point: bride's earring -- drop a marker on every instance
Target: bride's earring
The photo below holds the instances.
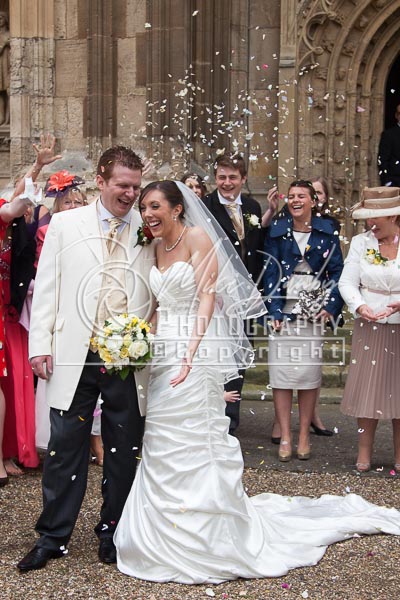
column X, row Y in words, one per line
column 174, row 218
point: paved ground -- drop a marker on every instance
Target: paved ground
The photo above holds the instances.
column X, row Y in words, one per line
column 336, row 454
column 358, row 569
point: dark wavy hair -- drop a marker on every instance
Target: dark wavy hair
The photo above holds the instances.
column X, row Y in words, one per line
column 199, row 180
column 171, row 192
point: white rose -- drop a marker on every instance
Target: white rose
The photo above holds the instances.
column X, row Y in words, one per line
column 370, row 258
column 115, row 325
column 254, row 220
column 138, row 348
column 122, row 362
column 112, row 345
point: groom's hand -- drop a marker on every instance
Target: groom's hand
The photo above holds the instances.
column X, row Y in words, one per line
column 38, row 369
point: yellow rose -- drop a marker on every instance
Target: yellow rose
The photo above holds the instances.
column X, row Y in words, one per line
column 126, row 340
column 124, row 353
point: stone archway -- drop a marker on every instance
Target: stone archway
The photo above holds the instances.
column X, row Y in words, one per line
column 344, row 54
column 392, row 93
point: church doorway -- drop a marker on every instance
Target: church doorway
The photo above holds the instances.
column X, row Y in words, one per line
column 392, row 95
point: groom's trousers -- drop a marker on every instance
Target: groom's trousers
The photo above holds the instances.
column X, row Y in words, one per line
column 66, row 464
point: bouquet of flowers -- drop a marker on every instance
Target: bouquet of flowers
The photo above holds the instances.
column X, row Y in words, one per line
column 124, row 344
column 311, row 302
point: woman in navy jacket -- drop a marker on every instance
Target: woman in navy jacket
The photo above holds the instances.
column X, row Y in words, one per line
column 303, row 263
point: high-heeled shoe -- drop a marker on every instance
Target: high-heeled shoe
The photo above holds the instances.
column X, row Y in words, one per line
column 304, row 455
column 275, row 440
column 3, row 481
column 284, row 455
column 319, row 431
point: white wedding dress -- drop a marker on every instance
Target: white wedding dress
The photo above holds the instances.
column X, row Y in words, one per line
column 187, row 518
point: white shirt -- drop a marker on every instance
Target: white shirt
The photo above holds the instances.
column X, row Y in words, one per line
column 237, row 203
column 364, row 283
column 105, row 214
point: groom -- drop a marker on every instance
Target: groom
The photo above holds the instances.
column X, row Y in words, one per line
column 91, row 268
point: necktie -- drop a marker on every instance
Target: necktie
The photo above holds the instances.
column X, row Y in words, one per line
column 114, row 223
column 236, row 219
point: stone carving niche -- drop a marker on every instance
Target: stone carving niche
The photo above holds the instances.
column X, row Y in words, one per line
column 4, row 93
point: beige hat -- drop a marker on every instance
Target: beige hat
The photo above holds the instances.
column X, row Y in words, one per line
column 377, row 202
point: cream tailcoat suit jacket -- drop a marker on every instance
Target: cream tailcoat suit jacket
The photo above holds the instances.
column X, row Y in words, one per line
column 68, row 281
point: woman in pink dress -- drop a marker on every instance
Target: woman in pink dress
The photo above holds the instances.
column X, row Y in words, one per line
column 8, row 212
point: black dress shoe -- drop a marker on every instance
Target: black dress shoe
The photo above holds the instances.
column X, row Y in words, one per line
column 107, row 551
column 275, row 440
column 37, row 558
column 319, row 431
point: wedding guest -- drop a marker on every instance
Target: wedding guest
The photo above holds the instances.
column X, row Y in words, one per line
column 239, row 216
column 18, row 270
column 370, row 286
column 303, row 266
column 322, row 208
column 389, row 153
column 195, row 183
column 8, row 212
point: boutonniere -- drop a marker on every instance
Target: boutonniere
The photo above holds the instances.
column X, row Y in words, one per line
column 374, row 257
column 252, row 221
column 144, row 236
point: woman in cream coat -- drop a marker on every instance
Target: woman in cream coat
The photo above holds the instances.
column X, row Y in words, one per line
column 370, row 285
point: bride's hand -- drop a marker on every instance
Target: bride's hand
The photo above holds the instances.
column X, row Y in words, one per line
column 183, row 373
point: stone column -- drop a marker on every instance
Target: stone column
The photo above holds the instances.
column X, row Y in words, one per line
column 287, row 132
column 32, row 76
column 100, row 121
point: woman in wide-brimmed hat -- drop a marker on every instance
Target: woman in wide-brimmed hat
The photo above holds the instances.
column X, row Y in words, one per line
column 370, row 285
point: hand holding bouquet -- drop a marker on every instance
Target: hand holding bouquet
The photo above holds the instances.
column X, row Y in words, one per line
column 124, row 344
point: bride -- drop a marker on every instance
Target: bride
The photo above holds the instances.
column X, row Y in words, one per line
column 187, row 518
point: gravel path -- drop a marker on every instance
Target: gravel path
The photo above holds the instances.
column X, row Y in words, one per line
column 359, row 569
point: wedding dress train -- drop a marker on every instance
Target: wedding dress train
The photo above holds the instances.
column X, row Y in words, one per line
column 187, row 518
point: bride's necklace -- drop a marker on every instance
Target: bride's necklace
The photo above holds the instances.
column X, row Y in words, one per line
column 174, row 245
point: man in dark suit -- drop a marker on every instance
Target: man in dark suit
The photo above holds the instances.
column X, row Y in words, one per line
column 389, row 154
column 240, row 218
